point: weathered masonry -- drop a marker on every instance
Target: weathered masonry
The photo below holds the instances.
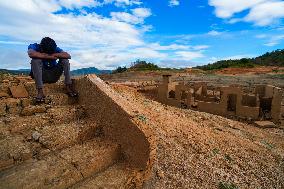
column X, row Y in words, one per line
column 263, row 104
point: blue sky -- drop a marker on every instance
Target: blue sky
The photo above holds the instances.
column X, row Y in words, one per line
column 171, row 33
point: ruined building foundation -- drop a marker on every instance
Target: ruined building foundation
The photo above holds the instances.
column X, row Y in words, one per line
column 263, row 104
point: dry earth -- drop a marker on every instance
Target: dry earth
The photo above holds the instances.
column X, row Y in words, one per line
column 194, row 149
column 200, row 150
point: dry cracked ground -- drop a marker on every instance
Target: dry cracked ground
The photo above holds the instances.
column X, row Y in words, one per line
column 201, row 150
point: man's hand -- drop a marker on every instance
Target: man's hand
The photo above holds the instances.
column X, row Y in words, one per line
column 49, row 57
column 34, row 54
column 63, row 55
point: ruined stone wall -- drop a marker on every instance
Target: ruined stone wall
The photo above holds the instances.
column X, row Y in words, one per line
column 120, row 122
column 231, row 100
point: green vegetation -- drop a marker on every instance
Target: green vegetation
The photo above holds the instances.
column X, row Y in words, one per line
column 223, row 185
column 215, row 151
column 275, row 58
column 142, row 118
column 267, row 144
column 2, row 75
column 119, row 70
column 140, row 65
column 228, row 157
column 15, row 72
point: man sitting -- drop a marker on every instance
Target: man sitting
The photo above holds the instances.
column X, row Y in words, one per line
column 45, row 68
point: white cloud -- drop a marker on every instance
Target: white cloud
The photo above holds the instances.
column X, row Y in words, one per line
column 238, row 57
column 126, row 17
column 159, row 47
column 214, row 33
column 275, row 40
column 173, row 3
column 122, row 3
column 138, row 15
column 233, row 57
column 271, row 39
column 189, row 55
column 142, row 12
column 266, row 13
column 261, row 12
column 91, row 39
column 227, row 8
column 261, row 36
column 201, row 47
column 71, row 4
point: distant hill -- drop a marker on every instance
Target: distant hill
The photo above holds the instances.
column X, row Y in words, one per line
column 140, row 65
column 16, row 72
column 91, row 70
column 83, row 71
column 274, row 58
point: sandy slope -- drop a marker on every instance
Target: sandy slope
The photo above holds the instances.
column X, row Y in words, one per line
column 200, row 150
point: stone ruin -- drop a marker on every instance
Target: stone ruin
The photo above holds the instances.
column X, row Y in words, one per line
column 95, row 141
column 262, row 104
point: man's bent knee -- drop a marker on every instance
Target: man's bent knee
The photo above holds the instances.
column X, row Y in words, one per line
column 64, row 61
column 36, row 61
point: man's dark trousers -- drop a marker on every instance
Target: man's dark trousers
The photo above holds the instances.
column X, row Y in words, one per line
column 43, row 74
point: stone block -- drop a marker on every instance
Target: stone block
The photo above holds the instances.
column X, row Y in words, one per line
column 4, row 87
column 19, row 91
column 136, row 137
column 4, row 94
column 265, row 124
column 269, row 91
column 30, row 110
column 26, row 102
column 13, row 105
column 31, row 88
column 260, row 90
column 248, row 112
column 276, row 104
column 2, row 109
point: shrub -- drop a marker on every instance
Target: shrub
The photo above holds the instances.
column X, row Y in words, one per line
column 120, row 70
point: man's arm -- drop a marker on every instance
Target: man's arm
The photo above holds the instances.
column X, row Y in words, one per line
column 35, row 54
column 62, row 55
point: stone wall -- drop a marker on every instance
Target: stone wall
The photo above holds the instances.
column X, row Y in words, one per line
column 226, row 101
column 120, row 122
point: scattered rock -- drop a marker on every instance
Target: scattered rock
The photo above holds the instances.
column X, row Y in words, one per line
column 2, row 109
column 3, row 94
column 160, row 174
column 57, row 99
column 36, row 135
column 265, row 124
column 19, row 91
column 26, row 102
column 13, row 105
column 30, row 110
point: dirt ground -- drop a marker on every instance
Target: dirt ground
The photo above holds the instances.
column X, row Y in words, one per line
column 247, row 77
column 201, row 150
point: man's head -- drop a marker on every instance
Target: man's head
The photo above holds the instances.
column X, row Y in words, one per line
column 48, row 45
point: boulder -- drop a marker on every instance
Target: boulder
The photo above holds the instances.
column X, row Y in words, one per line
column 13, row 105
column 2, row 109
column 30, row 110
column 19, row 91
column 4, row 94
column 265, row 124
column 26, row 102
